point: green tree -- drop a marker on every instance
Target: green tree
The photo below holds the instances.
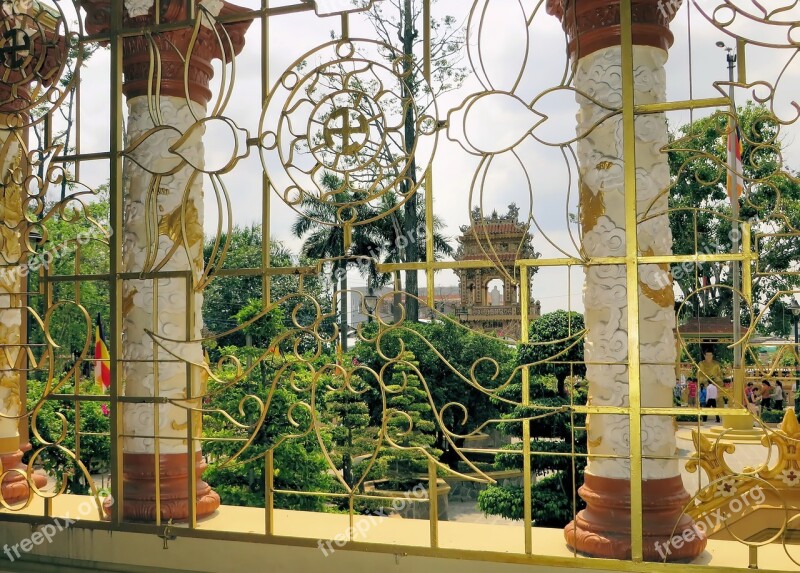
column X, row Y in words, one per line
column 95, row 444
column 325, row 237
column 74, row 242
column 347, row 417
column 700, row 211
column 410, row 425
column 300, row 466
column 552, row 443
column 555, row 335
column 469, row 354
column 260, row 333
column 397, row 24
column 226, row 295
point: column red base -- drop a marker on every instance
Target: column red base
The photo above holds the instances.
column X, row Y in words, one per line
column 15, row 488
column 139, row 488
column 603, row 529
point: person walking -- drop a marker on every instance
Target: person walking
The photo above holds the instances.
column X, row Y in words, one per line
column 692, row 391
column 711, row 399
column 753, row 398
column 766, row 395
column 777, row 396
column 702, row 394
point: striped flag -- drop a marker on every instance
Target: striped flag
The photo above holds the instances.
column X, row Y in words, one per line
column 102, row 370
column 735, row 161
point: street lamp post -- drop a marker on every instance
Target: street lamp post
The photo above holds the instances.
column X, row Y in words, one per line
column 370, row 304
column 795, row 308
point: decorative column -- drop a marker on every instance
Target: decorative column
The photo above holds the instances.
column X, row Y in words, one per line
column 31, row 52
column 163, row 231
column 603, row 529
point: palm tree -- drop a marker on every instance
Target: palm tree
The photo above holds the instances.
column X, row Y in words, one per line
column 394, row 230
column 325, row 236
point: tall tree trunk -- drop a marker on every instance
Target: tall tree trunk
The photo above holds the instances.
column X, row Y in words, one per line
column 343, row 316
column 408, row 187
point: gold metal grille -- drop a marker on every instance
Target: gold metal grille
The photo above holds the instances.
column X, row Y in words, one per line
column 296, row 139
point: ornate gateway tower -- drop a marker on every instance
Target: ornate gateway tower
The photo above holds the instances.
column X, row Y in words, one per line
column 490, row 301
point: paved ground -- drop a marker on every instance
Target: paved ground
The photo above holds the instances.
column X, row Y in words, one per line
column 748, row 454
column 468, row 512
column 745, row 455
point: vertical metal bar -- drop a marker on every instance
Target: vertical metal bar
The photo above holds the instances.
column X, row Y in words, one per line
column 266, row 261
column 345, row 27
column 426, row 36
column 350, row 517
column 632, row 279
column 429, row 255
column 190, row 380
column 155, row 406
column 747, row 271
column 433, row 503
column 526, row 427
column 115, row 243
column 752, row 557
column 733, row 193
column 426, row 69
column 76, row 375
column 741, row 61
column 77, row 121
column 269, row 495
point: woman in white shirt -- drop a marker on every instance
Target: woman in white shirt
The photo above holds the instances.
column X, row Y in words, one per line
column 777, row 396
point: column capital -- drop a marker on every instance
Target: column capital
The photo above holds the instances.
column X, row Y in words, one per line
column 592, row 25
column 172, row 46
column 33, row 52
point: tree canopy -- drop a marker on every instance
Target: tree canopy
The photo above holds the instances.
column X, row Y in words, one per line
column 700, row 211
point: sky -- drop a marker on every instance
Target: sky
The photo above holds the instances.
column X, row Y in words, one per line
column 693, row 68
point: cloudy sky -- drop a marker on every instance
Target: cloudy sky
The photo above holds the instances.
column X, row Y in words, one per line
column 693, row 68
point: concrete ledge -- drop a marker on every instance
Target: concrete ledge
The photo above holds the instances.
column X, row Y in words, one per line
column 233, row 539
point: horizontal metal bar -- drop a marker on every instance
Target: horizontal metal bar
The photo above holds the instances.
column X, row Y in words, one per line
column 682, row 104
column 82, row 157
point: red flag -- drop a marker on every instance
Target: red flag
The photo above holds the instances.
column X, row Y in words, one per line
column 735, row 163
column 102, row 370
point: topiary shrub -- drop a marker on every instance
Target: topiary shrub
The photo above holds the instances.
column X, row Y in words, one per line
column 58, row 458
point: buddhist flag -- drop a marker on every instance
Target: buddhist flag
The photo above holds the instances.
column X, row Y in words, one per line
column 735, row 162
column 102, row 369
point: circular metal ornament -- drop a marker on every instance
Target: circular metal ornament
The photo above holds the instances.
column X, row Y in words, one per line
column 336, row 131
column 34, row 46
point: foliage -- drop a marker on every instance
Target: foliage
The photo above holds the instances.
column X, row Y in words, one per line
column 263, row 329
column 700, row 211
column 396, row 23
column 489, row 360
column 556, row 432
column 772, row 416
column 347, row 417
column 226, row 296
column 299, row 465
column 325, row 236
column 551, row 500
column 95, row 444
column 392, row 229
column 410, row 426
column 74, row 242
column 553, row 339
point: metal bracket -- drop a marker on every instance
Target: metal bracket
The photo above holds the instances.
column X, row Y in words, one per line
column 166, row 535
